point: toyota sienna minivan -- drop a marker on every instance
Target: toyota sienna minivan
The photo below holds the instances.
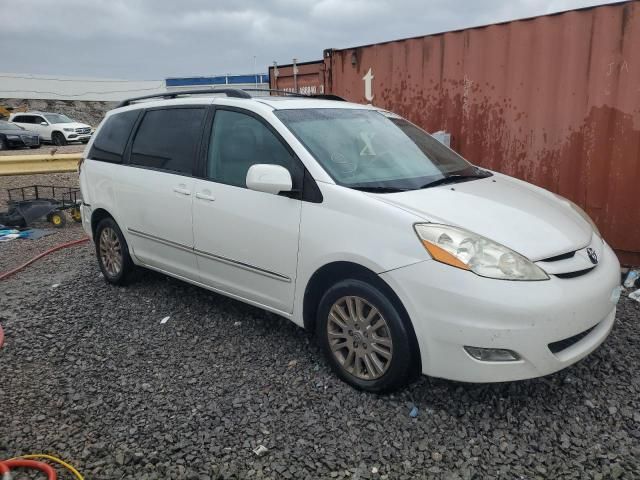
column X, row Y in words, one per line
column 401, row 256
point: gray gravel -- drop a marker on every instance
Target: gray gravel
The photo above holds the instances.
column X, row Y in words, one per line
column 89, row 373
column 89, row 112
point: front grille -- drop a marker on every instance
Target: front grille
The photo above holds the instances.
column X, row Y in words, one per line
column 83, row 130
column 557, row 258
column 579, row 273
column 561, row 345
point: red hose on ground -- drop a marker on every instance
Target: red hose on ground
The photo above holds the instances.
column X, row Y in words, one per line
column 8, row 465
column 43, row 254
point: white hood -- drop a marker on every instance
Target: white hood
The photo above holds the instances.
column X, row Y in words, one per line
column 72, row 125
column 521, row 216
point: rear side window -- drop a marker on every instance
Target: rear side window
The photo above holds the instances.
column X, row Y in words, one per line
column 23, row 119
column 112, row 139
column 168, row 139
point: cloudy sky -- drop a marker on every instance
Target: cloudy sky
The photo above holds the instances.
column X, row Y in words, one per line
column 154, row 39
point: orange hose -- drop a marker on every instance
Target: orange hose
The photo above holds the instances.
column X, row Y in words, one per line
column 8, row 465
column 45, row 253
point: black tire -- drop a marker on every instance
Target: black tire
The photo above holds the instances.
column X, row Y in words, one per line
column 400, row 369
column 122, row 275
column 34, row 146
column 58, row 139
column 75, row 214
column 3, row 144
column 57, row 218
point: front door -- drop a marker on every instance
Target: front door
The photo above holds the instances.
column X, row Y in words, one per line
column 155, row 191
column 246, row 242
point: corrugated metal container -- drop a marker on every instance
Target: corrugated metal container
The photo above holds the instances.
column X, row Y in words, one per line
column 308, row 79
column 553, row 100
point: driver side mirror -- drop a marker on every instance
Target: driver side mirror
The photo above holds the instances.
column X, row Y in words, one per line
column 44, row 124
column 269, row 178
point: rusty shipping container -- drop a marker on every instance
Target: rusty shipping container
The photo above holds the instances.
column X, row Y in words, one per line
column 553, row 100
column 309, row 78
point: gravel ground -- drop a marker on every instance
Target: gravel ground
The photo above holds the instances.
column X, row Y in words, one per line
column 90, row 374
column 16, row 252
column 45, row 149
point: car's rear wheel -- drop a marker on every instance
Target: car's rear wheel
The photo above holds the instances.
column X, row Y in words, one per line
column 3, row 144
column 364, row 336
column 112, row 252
column 58, row 139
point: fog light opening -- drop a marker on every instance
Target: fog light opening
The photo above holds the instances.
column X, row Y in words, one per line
column 492, row 354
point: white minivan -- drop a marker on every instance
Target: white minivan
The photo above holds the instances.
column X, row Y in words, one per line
column 402, row 257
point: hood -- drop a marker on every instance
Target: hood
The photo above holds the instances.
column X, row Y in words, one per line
column 521, row 216
column 71, row 125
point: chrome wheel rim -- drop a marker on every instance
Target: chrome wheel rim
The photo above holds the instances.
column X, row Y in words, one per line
column 359, row 338
column 110, row 252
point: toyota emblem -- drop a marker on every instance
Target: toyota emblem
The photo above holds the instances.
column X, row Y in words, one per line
column 593, row 256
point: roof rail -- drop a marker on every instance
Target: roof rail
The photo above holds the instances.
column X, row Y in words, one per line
column 230, row 92
column 326, row 96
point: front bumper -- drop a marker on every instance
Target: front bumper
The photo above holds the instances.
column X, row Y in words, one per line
column 451, row 308
column 77, row 137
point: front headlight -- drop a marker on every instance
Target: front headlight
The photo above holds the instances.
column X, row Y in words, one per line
column 466, row 250
column 68, row 129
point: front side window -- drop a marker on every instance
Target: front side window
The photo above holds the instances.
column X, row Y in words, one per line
column 168, row 139
column 371, row 150
column 239, row 141
column 37, row 120
column 54, row 118
column 113, row 136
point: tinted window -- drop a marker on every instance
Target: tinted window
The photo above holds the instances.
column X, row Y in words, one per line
column 112, row 139
column 168, row 139
column 23, row 119
column 37, row 120
column 239, row 141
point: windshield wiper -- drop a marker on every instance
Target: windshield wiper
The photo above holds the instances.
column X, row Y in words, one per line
column 374, row 189
column 456, row 178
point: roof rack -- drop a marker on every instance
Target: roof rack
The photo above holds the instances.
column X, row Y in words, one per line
column 230, row 92
column 325, row 96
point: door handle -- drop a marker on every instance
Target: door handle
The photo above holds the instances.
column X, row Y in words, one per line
column 181, row 190
column 204, row 196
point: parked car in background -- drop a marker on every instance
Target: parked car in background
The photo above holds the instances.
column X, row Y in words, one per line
column 352, row 222
column 53, row 127
column 15, row 136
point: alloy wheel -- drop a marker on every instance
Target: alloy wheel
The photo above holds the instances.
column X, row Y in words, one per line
column 110, row 252
column 359, row 338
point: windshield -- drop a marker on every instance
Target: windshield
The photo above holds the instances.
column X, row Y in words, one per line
column 10, row 126
column 58, row 118
column 369, row 149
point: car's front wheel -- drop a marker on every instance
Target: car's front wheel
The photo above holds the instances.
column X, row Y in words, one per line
column 112, row 252
column 3, row 144
column 364, row 336
column 58, row 139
